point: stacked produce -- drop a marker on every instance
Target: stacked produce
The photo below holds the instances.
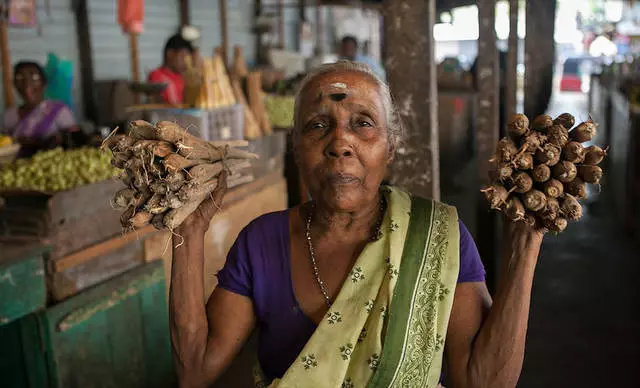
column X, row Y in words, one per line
column 280, row 110
column 57, row 170
column 541, row 170
column 169, row 172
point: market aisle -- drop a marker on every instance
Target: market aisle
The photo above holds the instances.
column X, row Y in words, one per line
column 583, row 329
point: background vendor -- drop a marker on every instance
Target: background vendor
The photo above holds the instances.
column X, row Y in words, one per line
column 176, row 51
column 38, row 124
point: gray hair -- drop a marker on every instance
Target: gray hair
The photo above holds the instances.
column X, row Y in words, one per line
column 394, row 124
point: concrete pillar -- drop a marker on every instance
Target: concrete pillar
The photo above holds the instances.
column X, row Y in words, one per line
column 411, row 72
column 539, row 56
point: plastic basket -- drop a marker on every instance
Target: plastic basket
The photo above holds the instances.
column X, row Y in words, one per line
column 226, row 123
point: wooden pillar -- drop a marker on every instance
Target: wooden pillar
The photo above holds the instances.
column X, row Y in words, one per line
column 280, row 10
column 224, row 32
column 487, row 131
column 83, row 35
column 135, row 63
column 185, row 17
column 512, row 61
column 411, row 72
column 319, row 29
column 539, row 56
column 7, row 70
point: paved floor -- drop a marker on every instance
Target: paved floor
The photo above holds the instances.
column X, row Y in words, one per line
column 585, row 319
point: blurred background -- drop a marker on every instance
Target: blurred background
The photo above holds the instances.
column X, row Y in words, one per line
column 83, row 304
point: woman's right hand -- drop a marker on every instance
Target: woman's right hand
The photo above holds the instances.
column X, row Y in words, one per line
column 199, row 220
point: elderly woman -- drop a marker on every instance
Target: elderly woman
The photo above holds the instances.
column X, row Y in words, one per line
column 364, row 285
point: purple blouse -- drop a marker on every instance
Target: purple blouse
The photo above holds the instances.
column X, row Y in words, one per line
column 258, row 267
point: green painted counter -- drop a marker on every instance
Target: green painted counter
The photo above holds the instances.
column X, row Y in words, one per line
column 113, row 335
column 22, row 281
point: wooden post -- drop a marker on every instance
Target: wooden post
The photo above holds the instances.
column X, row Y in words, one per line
column 135, row 65
column 539, row 56
column 512, row 61
column 85, row 59
column 7, row 70
column 411, row 72
column 319, row 29
column 224, row 33
column 185, row 18
column 487, row 131
column 280, row 10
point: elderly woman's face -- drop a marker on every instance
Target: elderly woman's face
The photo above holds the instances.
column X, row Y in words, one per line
column 342, row 143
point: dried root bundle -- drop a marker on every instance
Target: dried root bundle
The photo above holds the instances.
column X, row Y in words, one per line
column 542, row 169
column 169, row 172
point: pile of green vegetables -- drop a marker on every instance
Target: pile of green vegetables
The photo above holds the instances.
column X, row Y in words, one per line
column 58, row 170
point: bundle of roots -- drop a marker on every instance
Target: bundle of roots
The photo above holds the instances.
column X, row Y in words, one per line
column 169, row 172
column 541, row 170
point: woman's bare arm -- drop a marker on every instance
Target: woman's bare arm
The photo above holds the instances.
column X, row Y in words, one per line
column 204, row 340
column 485, row 342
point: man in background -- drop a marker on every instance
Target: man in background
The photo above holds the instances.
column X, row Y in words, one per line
column 349, row 50
column 176, row 51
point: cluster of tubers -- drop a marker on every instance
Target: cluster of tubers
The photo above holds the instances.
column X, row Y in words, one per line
column 169, row 172
column 541, row 170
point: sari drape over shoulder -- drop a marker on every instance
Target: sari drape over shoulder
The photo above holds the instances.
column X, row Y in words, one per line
column 388, row 323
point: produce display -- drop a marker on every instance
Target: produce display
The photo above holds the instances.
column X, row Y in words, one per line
column 5, row 141
column 541, row 170
column 169, row 172
column 280, row 110
column 57, row 170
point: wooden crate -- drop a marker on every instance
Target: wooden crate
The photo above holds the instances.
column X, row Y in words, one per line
column 114, row 335
column 84, row 232
column 69, row 221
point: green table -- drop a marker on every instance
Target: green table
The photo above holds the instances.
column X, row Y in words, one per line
column 113, row 335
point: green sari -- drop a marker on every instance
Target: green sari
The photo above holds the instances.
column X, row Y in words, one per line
column 388, row 324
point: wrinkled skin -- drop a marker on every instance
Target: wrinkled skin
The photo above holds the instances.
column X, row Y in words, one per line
column 342, row 147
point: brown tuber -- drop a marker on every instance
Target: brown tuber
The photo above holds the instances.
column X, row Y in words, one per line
column 533, row 141
column 577, row 188
column 583, row 132
column 551, row 211
column 541, row 173
column 542, row 123
column 558, row 135
column 565, row 171
column 496, row 194
column 553, row 188
column 573, row 152
column 549, row 155
column 571, row 208
column 518, row 125
column 557, row 225
column 590, row 174
column 522, row 182
column 514, row 209
column 506, row 150
column 140, row 219
column 593, row 155
column 566, row 120
column 501, row 173
column 524, row 161
column 535, row 200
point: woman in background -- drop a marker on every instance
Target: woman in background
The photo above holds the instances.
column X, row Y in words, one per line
column 38, row 124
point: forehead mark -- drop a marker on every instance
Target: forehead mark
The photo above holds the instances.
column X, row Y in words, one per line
column 337, row 96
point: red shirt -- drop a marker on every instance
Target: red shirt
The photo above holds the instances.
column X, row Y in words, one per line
column 173, row 93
